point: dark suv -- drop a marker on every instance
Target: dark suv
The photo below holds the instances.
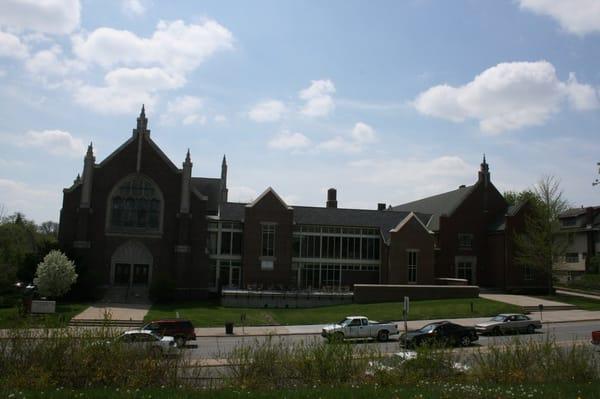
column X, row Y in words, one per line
column 180, row 329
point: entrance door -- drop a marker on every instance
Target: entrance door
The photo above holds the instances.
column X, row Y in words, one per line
column 122, row 274
column 224, row 276
column 465, row 270
column 140, row 274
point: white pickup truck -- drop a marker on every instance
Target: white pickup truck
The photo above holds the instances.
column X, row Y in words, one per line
column 359, row 327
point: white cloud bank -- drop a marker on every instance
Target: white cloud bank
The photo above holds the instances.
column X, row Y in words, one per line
column 317, row 97
column 12, row 47
column 361, row 135
column 578, row 17
column 267, row 111
column 507, row 96
column 185, row 110
column 59, row 17
column 55, row 142
column 289, row 141
column 133, row 7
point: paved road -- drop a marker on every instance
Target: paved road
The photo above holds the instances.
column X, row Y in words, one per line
column 220, row 347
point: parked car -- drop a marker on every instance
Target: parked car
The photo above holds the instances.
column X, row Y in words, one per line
column 398, row 359
column 180, row 329
column 359, row 327
column 596, row 337
column 440, row 333
column 510, row 322
column 145, row 339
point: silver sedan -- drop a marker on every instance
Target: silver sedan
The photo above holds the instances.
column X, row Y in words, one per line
column 510, row 322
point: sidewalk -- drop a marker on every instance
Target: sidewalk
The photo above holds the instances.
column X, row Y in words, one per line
column 555, row 316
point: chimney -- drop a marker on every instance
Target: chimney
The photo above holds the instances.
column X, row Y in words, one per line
column 381, row 206
column 331, row 198
column 462, row 186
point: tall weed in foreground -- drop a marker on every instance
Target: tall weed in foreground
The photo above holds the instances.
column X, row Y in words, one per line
column 89, row 358
column 276, row 364
column 529, row 361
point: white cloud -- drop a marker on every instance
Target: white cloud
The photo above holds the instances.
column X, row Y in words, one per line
column 289, row 141
column 318, row 98
column 241, row 194
column 49, row 63
column 185, row 110
column 361, row 135
column 59, row 17
column 133, row 7
column 507, row 96
column 575, row 16
column 581, row 97
column 175, row 46
column 55, row 142
column 11, row 46
column 126, row 89
column 220, row 118
column 35, row 202
column 437, row 172
column 267, row 111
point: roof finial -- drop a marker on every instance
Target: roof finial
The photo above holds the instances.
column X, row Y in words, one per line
column 142, row 121
column 143, row 112
column 187, row 156
column 484, row 157
column 224, row 160
column 90, row 150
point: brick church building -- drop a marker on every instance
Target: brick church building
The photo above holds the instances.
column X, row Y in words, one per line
column 136, row 217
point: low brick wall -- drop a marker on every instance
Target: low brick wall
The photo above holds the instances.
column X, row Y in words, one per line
column 283, row 299
column 373, row 293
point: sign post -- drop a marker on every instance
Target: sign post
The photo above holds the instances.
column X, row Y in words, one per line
column 405, row 313
column 541, row 308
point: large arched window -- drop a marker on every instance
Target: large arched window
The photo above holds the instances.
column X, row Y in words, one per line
column 135, row 204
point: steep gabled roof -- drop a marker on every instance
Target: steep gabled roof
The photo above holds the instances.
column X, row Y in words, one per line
column 437, row 205
column 499, row 224
column 209, row 187
column 405, row 221
column 269, row 190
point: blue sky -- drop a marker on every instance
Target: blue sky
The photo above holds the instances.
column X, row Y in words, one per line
column 388, row 101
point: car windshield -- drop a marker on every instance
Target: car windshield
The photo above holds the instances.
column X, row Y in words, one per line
column 428, row 328
column 499, row 318
column 345, row 321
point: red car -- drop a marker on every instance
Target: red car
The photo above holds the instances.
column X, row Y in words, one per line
column 596, row 337
column 180, row 329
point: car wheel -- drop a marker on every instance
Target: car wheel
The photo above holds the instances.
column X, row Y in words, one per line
column 465, row 341
column 531, row 329
column 497, row 331
column 383, row 336
column 180, row 342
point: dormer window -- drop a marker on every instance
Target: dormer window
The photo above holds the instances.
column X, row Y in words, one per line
column 135, row 204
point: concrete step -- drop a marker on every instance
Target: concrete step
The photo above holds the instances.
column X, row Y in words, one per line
column 548, row 308
column 105, row 323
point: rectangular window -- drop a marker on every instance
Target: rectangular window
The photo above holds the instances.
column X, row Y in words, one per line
column 236, row 244
column 568, row 222
column 465, row 241
column 225, row 243
column 412, row 266
column 212, row 242
column 572, row 257
column 268, row 239
column 528, row 273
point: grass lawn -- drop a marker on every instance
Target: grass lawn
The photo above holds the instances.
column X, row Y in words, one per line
column 212, row 314
column 10, row 318
column 579, row 301
column 433, row 391
column 589, row 281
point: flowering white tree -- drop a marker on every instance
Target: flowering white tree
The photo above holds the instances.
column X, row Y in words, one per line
column 55, row 275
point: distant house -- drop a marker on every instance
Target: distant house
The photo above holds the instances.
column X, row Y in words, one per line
column 136, row 216
column 582, row 227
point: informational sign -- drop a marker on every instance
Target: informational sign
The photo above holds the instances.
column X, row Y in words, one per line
column 406, row 304
column 43, row 306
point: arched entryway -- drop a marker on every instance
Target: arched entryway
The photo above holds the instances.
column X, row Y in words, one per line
column 131, row 265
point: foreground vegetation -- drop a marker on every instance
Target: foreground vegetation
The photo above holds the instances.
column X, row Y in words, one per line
column 212, row 314
column 587, row 282
column 62, row 365
column 423, row 391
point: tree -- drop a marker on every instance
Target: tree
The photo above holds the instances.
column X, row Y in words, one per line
column 517, row 197
column 55, row 275
column 540, row 245
column 49, row 228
